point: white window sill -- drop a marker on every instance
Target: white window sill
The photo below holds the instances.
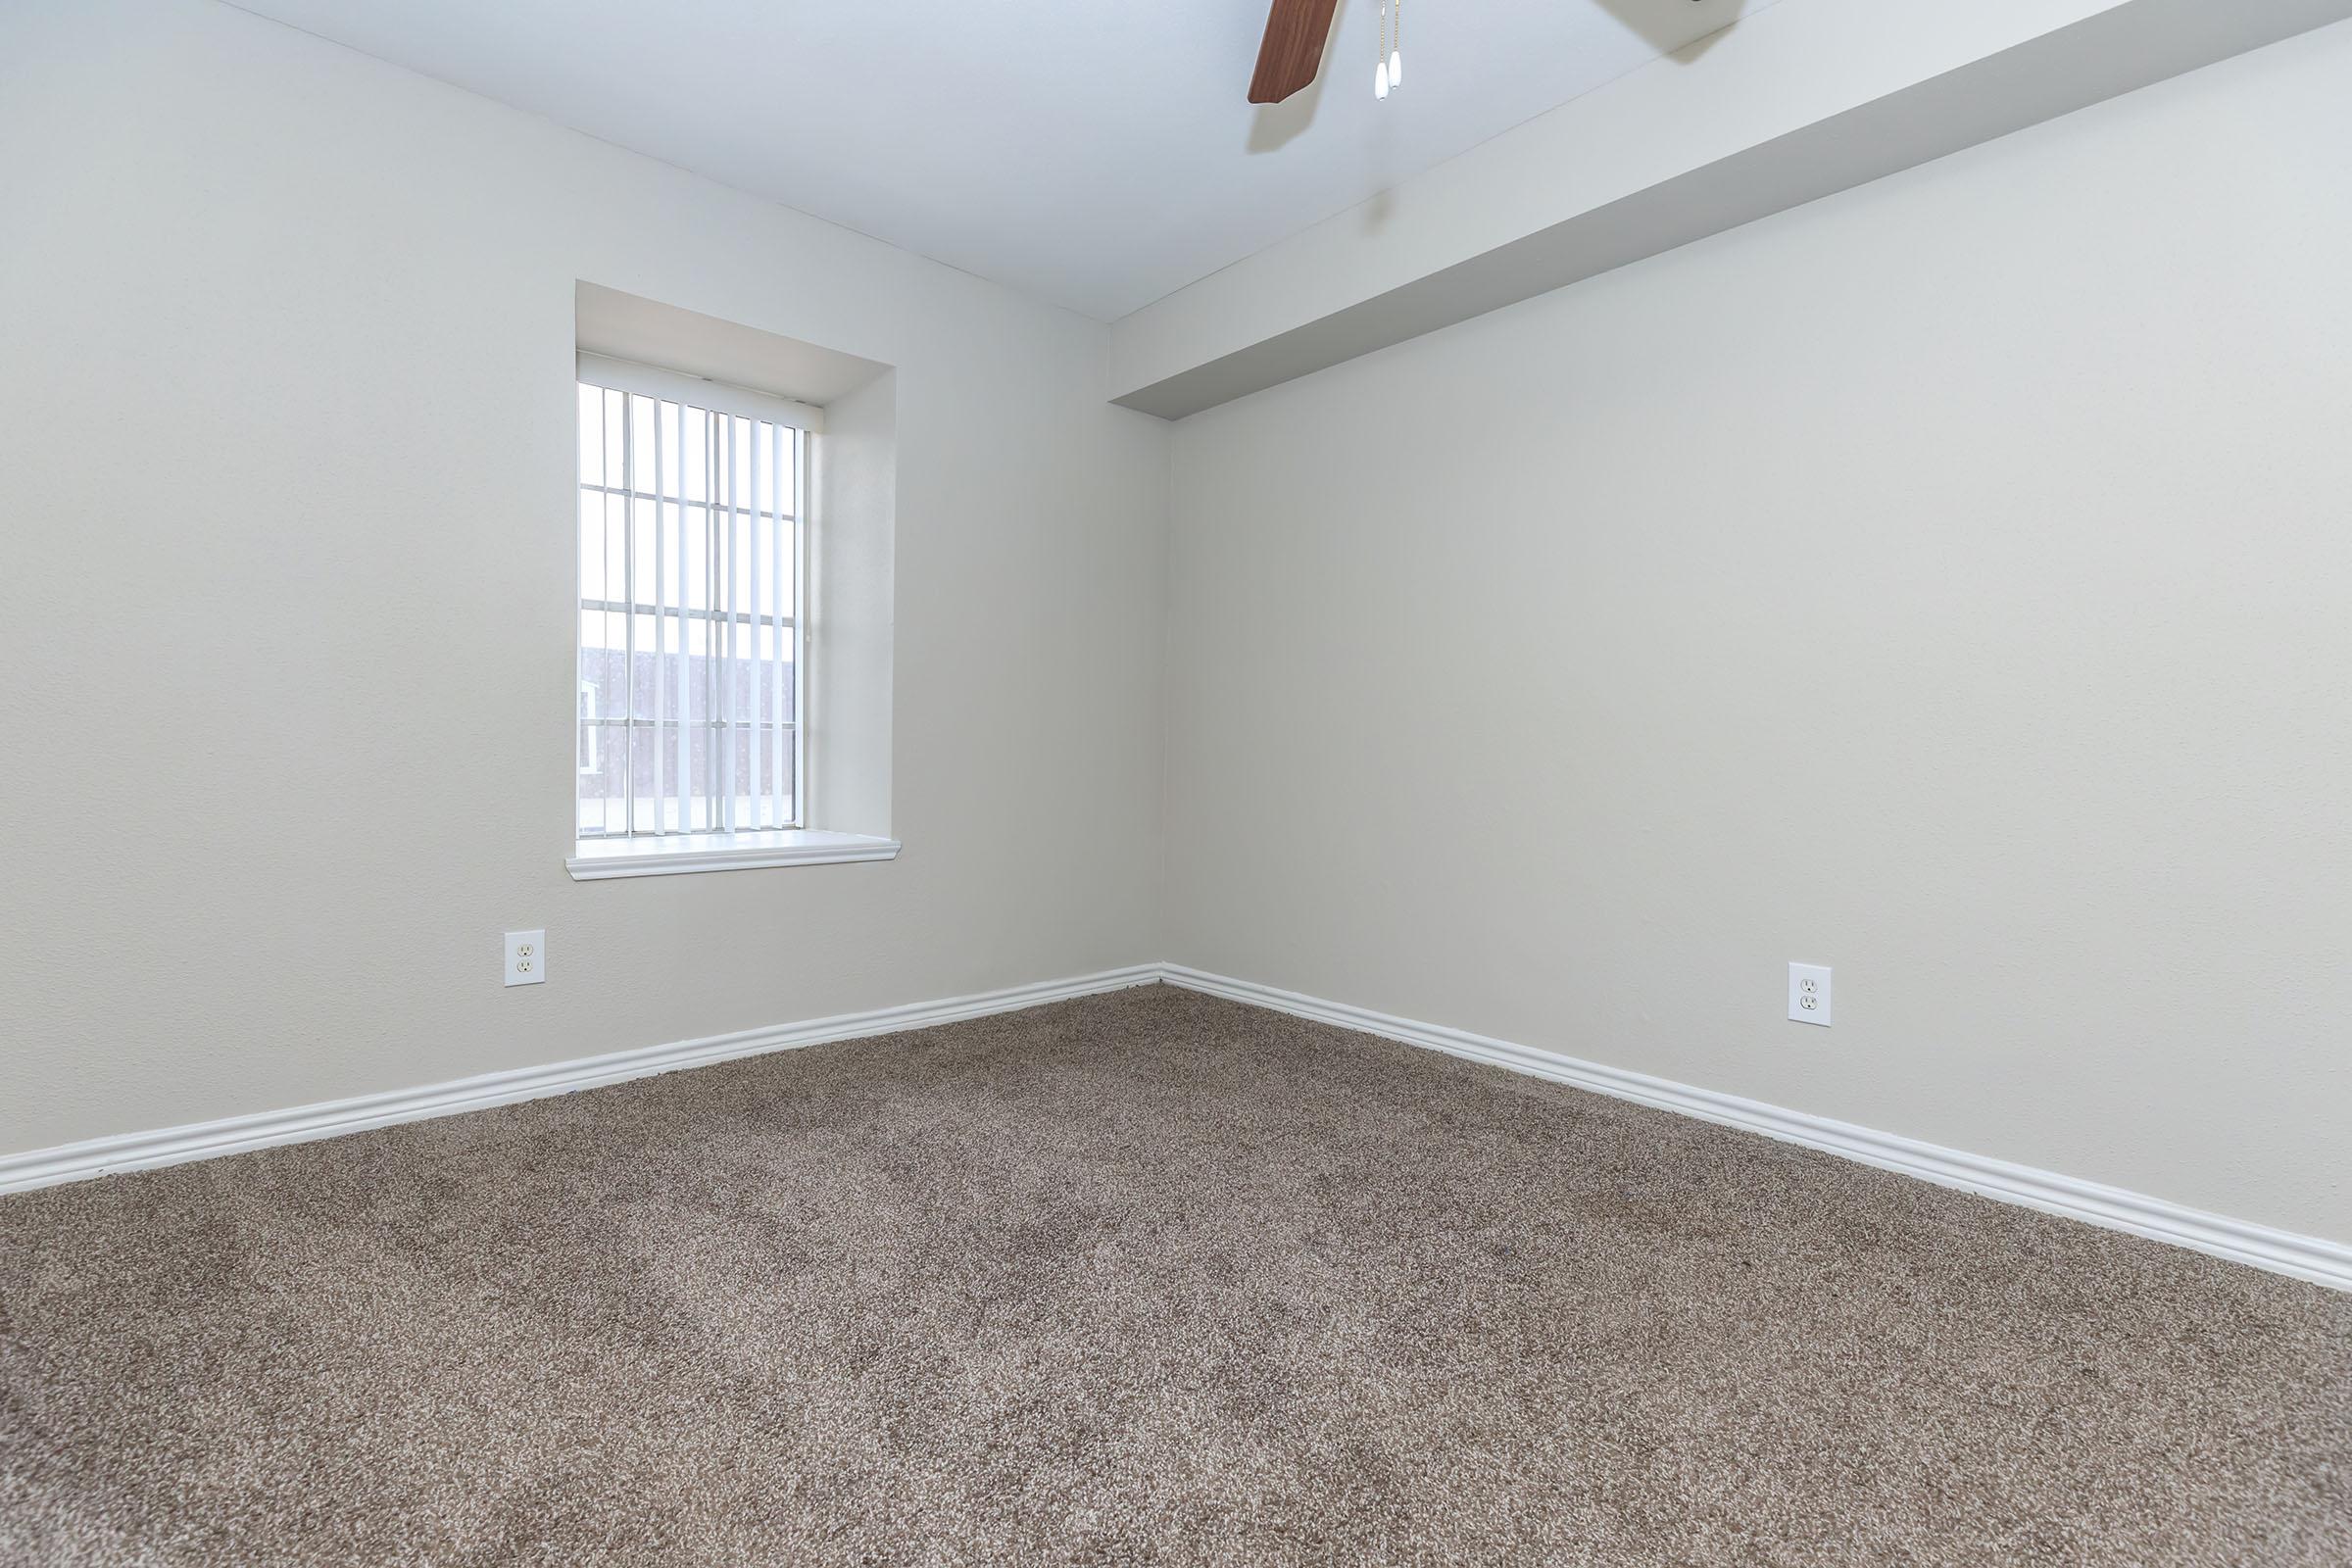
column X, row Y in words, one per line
column 593, row 860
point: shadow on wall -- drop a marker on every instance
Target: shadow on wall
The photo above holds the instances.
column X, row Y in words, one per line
column 1666, row 26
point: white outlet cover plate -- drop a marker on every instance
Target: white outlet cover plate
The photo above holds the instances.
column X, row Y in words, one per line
column 1809, row 994
column 526, row 957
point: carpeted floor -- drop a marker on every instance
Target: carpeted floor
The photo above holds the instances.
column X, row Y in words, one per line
column 1145, row 1278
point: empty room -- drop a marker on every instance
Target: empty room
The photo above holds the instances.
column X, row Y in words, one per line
column 1557, row 782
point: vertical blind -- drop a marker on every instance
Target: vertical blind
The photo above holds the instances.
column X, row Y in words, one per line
column 690, row 578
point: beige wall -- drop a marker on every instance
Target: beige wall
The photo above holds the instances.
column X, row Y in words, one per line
column 1949, row 582
column 285, row 359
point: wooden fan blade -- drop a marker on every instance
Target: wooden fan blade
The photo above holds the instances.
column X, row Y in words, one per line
column 1292, row 50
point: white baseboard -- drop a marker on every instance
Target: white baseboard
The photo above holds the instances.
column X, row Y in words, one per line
column 100, row 1156
column 2307, row 1257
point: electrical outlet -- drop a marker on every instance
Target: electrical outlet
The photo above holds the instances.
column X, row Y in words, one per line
column 1809, row 994
column 526, row 957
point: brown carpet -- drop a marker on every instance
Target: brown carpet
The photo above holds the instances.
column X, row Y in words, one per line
column 1145, row 1278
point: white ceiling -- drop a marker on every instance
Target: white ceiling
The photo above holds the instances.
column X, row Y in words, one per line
column 1095, row 152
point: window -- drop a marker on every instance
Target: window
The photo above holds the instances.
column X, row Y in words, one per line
column 691, row 549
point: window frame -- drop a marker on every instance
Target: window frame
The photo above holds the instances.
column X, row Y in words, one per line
column 634, row 851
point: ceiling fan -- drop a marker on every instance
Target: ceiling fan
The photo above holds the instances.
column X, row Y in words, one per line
column 1291, row 51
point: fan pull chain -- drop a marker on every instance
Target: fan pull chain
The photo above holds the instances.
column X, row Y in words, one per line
column 1380, row 72
column 1397, row 51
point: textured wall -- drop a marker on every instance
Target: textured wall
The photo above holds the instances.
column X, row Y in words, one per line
column 287, row 338
column 1949, row 582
